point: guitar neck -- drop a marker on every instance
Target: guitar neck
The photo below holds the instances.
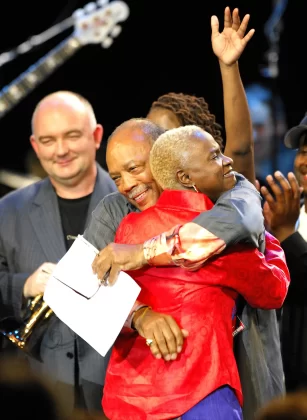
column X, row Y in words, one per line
column 18, row 89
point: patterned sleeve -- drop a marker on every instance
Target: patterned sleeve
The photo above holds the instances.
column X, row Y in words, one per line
column 187, row 246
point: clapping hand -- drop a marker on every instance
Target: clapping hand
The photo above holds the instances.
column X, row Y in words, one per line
column 282, row 208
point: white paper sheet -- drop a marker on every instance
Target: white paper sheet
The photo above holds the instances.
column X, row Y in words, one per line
column 100, row 318
column 75, row 268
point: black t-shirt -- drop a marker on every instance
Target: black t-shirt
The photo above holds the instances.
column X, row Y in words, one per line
column 73, row 214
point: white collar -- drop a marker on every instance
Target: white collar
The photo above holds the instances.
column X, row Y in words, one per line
column 302, row 223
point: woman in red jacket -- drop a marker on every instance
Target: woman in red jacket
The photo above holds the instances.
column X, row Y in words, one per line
column 203, row 382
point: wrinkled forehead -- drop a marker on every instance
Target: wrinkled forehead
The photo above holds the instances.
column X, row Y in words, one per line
column 128, row 138
column 198, row 147
column 60, row 116
column 127, row 145
column 204, row 140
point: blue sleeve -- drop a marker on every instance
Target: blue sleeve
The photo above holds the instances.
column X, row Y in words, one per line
column 105, row 220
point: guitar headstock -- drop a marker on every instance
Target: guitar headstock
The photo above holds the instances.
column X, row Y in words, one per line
column 98, row 22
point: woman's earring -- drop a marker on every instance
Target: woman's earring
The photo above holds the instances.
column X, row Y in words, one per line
column 195, row 188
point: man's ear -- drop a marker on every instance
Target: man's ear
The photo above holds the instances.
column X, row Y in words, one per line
column 98, row 133
column 184, row 179
column 33, row 143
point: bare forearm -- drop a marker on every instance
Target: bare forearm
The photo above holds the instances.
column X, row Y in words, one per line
column 238, row 125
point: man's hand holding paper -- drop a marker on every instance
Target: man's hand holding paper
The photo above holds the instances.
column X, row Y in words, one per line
column 116, row 257
column 94, row 312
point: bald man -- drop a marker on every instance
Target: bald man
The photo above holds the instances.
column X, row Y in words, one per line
column 39, row 223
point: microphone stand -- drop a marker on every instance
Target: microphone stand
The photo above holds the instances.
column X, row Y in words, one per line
column 272, row 30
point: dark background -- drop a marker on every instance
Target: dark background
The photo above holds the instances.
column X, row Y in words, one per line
column 164, row 46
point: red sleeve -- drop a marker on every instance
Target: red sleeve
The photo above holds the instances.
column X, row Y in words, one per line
column 263, row 281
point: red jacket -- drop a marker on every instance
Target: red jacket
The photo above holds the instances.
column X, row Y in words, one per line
column 137, row 385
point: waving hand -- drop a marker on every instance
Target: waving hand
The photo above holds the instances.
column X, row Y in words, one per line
column 229, row 44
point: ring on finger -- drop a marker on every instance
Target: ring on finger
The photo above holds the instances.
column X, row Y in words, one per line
column 149, row 341
column 104, row 282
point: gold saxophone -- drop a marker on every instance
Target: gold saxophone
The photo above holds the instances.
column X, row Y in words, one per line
column 40, row 311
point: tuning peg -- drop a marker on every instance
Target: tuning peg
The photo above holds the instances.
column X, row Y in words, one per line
column 90, row 7
column 107, row 42
column 102, row 2
column 116, row 31
column 77, row 14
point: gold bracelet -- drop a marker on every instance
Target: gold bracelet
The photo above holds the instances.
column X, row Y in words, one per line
column 134, row 312
column 142, row 315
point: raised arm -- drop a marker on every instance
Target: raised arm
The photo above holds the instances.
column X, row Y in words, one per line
column 228, row 47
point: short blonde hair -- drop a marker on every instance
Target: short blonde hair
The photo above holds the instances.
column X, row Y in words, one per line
column 170, row 153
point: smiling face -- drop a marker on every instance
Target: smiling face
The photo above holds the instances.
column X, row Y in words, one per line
column 65, row 138
column 205, row 166
column 208, row 168
column 188, row 157
column 127, row 159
